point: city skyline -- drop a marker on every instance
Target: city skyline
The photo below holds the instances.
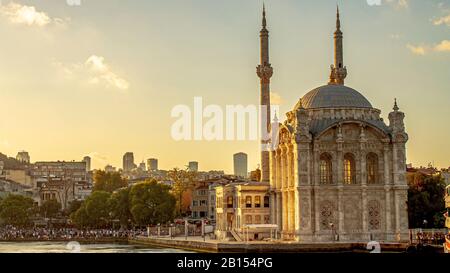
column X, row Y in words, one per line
column 108, row 106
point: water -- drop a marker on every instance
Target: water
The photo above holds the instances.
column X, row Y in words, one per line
column 64, row 247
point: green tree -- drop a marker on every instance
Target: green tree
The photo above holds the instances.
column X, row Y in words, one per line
column 108, row 181
column 183, row 180
column 80, row 218
column 16, row 210
column 151, row 203
column 50, row 208
column 119, row 205
column 73, row 207
column 426, row 201
column 94, row 212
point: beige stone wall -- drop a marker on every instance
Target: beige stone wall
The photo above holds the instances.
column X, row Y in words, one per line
column 307, row 210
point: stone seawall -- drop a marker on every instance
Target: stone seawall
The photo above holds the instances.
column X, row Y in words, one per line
column 197, row 245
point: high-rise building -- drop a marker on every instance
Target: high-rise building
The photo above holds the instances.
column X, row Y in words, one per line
column 110, row 169
column 152, row 164
column 240, row 161
column 128, row 162
column 142, row 166
column 193, row 166
column 23, row 157
column 87, row 159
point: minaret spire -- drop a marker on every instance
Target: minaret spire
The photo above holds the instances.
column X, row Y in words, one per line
column 265, row 72
column 338, row 19
column 338, row 70
column 264, row 21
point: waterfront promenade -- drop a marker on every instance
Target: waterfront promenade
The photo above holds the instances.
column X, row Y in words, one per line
column 200, row 244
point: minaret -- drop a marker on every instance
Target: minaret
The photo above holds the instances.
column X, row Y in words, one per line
column 338, row 70
column 265, row 72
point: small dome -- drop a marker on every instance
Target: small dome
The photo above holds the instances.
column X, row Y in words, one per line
column 334, row 96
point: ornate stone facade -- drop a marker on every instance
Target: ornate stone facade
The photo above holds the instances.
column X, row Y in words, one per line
column 337, row 170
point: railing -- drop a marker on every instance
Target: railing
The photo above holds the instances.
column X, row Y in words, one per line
column 236, row 236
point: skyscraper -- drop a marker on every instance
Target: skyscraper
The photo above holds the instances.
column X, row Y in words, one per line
column 87, row 159
column 193, row 166
column 240, row 161
column 128, row 162
column 152, row 164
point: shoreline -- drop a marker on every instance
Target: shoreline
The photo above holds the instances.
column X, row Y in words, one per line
column 80, row 240
column 210, row 246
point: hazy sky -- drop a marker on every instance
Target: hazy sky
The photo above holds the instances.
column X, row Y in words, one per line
column 101, row 78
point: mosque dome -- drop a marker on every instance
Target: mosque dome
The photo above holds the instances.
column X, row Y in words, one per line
column 334, row 96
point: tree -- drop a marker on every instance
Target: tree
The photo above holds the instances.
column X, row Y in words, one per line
column 183, row 181
column 108, row 181
column 94, row 212
column 151, row 203
column 16, row 210
column 426, row 200
column 50, row 208
column 119, row 205
column 73, row 207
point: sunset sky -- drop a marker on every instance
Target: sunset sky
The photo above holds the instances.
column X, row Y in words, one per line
column 101, row 79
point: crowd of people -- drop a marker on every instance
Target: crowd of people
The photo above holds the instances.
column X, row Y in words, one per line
column 42, row 234
column 431, row 238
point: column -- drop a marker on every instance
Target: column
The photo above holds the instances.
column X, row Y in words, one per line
column 386, row 164
column 316, row 182
column 397, row 212
column 388, row 210
column 279, row 211
column 292, row 208
column 394, row 164
column 297, row 210
column 278, row 168
column 341, row 226
column 273, row 170
column 365, row 222
column 285, row 212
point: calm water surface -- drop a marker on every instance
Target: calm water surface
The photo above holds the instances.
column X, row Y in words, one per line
column 64, row 247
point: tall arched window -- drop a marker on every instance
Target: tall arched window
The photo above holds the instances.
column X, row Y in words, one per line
column 325, row 169
column 349, row 169
column 372, row 168
column 230, row 202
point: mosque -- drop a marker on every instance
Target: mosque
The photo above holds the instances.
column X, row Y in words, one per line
column 337, row 170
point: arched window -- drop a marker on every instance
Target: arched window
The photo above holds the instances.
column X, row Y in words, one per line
column 230, row 202
column 372, row 168
column 349, row 169
column 325, row 169
column 248, row 202
column 257, row 201
column 266, row 201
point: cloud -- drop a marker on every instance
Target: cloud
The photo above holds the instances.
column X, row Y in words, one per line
column 398, row 3
column 442, row 20
column 395, row 36
column 94, row 71
column 102, row 73
column 276, row 99
column 28, row 15
column 417, row 50
column 443, row 46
